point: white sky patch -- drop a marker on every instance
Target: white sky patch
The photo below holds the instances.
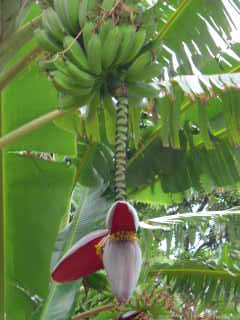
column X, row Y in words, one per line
column 174, row 57
column 235, row 16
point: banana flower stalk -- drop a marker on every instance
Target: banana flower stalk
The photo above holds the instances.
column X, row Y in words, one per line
column 116, row 249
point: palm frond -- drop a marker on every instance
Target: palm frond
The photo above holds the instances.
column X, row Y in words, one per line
column 156, row 223
column 206, row 282
column 201, row 42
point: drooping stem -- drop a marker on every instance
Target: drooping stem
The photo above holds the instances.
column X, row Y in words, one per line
column 31, row 126
column 94, row 311
column 19, row 66
column 121, row 143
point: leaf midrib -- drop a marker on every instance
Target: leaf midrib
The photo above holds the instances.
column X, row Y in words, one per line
column 172, row 19
column 198, row 272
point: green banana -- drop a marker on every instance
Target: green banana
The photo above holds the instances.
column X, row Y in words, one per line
column 138, row 70
column 75, row 53
column 46, row 42
column 135, row 119
column 59, row 7
column 87, row 33
column 138, row 66
column 67, row 102
column 71, row 12
column 150, row 71
column 94, row 54
column 105, row 29
column 68, row 85
column 47, row 65
column 83, row 77
column 128, row 37
column 138, row 44
column 92, row 121
column 142, row 89
column 82, row 13
column 61, row 65
column 110, row 117
column 110, row 47
column 52, row 24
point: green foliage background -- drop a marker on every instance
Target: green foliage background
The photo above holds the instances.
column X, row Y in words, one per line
column 182, row 145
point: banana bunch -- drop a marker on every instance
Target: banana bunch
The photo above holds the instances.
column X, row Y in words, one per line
column 89, row 51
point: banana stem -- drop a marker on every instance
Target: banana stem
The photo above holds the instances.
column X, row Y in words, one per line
column 121, row 143
column 94, row 311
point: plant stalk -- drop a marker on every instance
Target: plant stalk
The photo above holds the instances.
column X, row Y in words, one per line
column 121, row 144
column 24, row 62
column 92, row 312
column 31, row 126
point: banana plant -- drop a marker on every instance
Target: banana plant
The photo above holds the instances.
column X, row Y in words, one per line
column 168, row 70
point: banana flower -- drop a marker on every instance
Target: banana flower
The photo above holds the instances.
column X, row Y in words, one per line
column 115, row 249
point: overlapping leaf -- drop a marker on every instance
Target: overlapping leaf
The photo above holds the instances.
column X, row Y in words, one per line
column 206, row 34
column 90, row 213
column 206, row 281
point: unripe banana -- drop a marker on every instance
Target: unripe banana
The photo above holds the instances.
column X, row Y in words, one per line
column 46, row 42
column 47, row 65
column 105, row 29
column 150, row 71
column 138, row 44
column 110, row 117
column 66, row 101
column 94, row 54
column 142, row 89
column 82, row 13
column 137, row 67
column 65, row 84
column 59, row 7
column 92, row 121
column 83, row 77
column 87, row 33
column 52, row 24
column 128, row 37
column 110, row 47
column 75, row 53
column 71, row 12
column 61, row 65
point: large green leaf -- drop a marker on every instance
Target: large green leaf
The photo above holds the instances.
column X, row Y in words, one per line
column 29, row 96
column 35, row 197
column 218, row 166
column 91, row 209
column 202, row 116
column 14, row 36
column 208, row 281
column 205, row 34
column 14, row 13
column 35, row 192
